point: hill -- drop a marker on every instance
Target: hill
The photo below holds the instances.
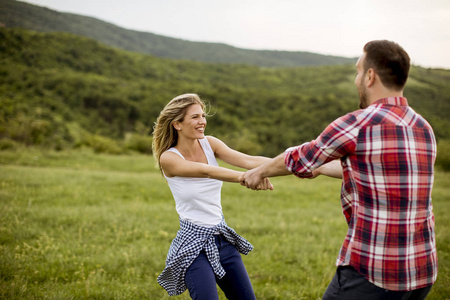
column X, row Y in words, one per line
column 60, row 90
column 15, row 14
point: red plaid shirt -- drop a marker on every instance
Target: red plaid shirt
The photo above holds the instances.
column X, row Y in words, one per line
column 387, row 153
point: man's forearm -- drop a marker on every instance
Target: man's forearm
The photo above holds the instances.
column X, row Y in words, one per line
column 275, row 167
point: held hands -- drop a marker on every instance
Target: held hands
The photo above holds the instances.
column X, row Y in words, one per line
column 253, row 180
column 265, row 185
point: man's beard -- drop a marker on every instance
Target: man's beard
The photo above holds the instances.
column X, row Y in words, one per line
column 363, row 99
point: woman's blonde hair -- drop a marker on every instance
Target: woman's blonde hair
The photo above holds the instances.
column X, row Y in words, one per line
column 164, row 134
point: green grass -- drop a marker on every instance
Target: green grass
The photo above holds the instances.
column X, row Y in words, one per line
column 78, row 225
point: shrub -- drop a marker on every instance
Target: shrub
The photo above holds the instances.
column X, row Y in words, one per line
column 101, row 144
column 244, row 141
column 40, row 130
column 8, row 144
column 138, row 142
column 78, row 135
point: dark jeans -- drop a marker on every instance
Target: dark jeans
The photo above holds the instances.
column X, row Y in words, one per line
column 347, row 284
column 201, row 280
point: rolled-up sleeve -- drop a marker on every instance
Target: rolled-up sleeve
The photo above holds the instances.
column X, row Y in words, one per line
column 336, row 141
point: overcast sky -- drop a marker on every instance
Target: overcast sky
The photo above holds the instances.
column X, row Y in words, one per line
column 329, row 27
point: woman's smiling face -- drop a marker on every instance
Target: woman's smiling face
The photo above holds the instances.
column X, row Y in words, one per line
column 194, row 123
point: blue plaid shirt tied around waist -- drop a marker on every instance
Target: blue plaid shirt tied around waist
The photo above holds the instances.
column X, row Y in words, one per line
column 191, row 239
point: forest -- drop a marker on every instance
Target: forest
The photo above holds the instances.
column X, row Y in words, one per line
column 18, row 14
column 59, row 90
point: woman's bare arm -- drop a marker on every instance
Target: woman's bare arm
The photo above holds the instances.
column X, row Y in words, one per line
column 234, row 157
column 330, row 169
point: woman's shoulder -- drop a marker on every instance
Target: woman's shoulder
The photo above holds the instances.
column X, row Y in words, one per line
column 170, row 154
column 213, row 141
column 169, row 161
column 211, row 138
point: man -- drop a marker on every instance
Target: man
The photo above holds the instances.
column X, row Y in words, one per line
column 385, row 154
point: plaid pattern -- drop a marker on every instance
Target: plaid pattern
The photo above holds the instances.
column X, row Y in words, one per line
column 191, row 239
column 387, row 153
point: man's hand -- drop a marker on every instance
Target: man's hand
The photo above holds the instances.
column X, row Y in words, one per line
column 252, row 179
column 265, row 185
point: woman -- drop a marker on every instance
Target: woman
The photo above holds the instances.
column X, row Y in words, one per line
column 205, row 250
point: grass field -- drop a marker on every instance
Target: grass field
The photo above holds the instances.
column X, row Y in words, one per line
column 79, row 225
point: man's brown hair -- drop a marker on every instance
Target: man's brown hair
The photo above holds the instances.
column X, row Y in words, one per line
column 390, row 61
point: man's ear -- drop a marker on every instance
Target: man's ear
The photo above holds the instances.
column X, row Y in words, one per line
column 370, row 77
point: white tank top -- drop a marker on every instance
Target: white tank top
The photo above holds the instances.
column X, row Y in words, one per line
column 198, row 199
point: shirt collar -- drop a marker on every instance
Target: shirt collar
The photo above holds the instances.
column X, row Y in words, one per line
column 399, row 101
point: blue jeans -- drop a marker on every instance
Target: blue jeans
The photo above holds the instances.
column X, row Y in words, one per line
column 201, row 280
column 348, row 284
